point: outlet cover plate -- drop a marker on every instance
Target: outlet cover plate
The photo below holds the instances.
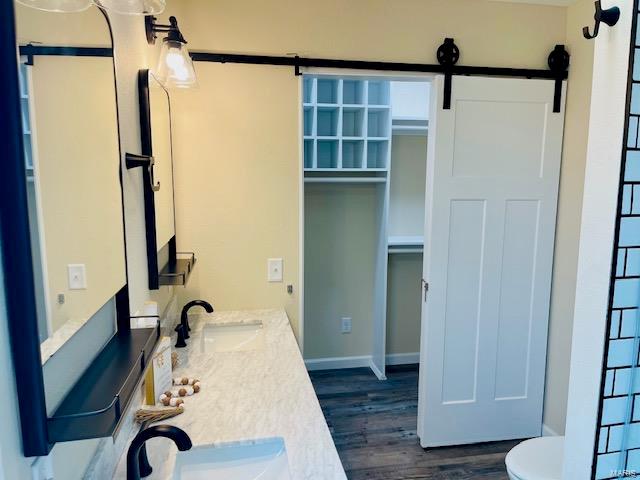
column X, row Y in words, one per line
column 274, row 270
column 77, row 276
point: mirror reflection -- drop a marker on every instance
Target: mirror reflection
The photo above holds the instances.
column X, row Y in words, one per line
column 160, row 112
column 73, row 162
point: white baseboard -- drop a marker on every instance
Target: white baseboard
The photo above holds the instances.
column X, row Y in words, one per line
column 337, row 362
column 547, row 431
column 403, row 358
column 360, row 361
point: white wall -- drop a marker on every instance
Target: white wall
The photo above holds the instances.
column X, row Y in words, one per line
column 611, row 59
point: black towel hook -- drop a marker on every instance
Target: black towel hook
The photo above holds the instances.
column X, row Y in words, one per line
column 610, row 16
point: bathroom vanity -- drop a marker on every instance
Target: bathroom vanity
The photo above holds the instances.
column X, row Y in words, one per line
column 255, row 390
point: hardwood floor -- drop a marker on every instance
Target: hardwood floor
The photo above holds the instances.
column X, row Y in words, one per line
column 373, row 425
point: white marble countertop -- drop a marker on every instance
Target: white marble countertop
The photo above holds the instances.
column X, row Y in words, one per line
column 247, row 395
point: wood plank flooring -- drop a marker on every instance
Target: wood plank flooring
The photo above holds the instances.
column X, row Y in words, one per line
column 373, row 425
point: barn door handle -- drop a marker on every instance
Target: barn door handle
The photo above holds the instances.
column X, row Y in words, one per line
column 425, row 287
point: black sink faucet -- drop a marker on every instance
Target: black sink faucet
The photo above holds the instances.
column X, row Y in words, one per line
column 184, row 317
column 179, row 437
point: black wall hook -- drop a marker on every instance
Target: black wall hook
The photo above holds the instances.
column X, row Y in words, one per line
column 610, row 16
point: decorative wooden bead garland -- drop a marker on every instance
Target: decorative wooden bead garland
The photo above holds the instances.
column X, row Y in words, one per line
column 188, row 387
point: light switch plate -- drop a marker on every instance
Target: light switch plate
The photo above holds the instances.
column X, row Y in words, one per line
column 77, row 276
column 274, row 269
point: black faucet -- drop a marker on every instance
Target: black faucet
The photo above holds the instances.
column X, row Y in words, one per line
column 179, row 437
column 184, row 317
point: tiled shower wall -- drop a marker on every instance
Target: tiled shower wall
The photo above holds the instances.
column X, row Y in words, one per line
column 618, row 438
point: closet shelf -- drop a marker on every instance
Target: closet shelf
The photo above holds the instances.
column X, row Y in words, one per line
column 345, row 180
column 409, row 126
column 405, row 244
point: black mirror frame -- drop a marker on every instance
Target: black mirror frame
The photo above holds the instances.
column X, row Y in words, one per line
column 176, row 272
column 116, row 370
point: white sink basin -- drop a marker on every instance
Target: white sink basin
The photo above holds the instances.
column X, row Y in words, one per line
column 264, row 460
column 232, row 337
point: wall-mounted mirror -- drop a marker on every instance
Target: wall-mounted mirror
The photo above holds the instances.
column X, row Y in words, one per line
column 72, row 153
column 90, row 359
column 166, row 265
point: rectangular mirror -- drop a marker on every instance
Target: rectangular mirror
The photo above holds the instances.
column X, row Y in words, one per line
column 161, row 147
column 166, row 265
column 72, row 153
column 84, row 373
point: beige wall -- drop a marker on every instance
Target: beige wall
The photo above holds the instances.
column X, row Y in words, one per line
column 340, row 252
column 404, row 293
column 86, row 29
column 488, row 33
column 236, row 174
column 569, row 214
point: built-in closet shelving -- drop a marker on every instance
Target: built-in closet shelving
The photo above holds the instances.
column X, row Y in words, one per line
column 350, row 127
column 347, row 126
column 26, row 121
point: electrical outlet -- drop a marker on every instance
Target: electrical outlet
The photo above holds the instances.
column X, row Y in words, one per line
column 274, row 270
column 345, row 324
column 77, row 276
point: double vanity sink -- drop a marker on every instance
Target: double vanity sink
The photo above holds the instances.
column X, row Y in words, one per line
column 263, row 459
column 232, row 337
column 256, row 415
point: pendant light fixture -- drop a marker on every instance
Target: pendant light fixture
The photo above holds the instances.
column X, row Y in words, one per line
column 175, row 67
column 133, row 7
column 62, row 6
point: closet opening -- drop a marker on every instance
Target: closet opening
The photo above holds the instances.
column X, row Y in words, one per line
column 364, row 181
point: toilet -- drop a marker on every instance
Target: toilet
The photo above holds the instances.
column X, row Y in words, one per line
column 536, row 459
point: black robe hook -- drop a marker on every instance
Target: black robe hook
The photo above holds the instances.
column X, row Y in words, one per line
column 610, row 16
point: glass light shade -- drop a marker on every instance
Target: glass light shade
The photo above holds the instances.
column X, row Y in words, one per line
column 66, row 6
column 175, row 68
column 133, row 7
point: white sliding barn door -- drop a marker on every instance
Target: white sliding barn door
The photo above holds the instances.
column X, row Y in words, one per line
column 492, row 188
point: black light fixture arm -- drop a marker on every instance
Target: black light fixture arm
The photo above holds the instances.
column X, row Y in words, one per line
column 172, row 30
column 133, row 160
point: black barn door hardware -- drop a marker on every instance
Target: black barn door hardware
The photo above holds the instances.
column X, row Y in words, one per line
column 133, row 161
column 610, row 16
column 558, row 62
column 448, row 55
